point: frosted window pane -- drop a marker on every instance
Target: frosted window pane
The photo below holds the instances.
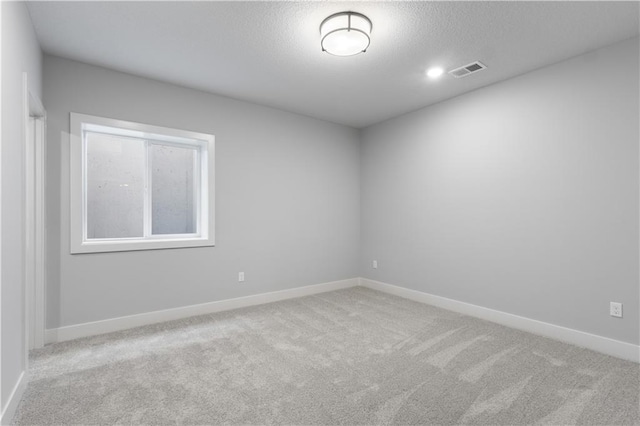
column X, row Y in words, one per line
column 115, row 186
column 173, row 199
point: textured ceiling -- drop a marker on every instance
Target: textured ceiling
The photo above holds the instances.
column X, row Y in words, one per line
column 269, row 52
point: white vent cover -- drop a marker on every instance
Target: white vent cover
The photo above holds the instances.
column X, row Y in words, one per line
column 467, row 69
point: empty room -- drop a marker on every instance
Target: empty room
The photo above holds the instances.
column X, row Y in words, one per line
column 320, row 213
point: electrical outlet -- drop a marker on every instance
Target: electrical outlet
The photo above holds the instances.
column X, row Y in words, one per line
column 615, row 309
column 241, row 277
column 374, row 264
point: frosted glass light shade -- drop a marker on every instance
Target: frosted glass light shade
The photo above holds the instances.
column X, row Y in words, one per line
column 345, row 34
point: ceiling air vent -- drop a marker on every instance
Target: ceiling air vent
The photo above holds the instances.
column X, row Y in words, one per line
column 467, row 69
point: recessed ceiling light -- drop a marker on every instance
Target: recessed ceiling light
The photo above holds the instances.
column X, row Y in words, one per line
column 345, row 34
column 435, row 72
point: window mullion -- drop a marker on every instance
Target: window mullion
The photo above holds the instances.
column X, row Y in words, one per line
column 83, row 142
column 197, row 191
column 147, row 190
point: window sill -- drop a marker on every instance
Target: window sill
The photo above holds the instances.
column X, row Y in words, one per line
column 133, row 245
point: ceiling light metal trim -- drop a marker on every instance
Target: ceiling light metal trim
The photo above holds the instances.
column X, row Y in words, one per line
column 348, row 28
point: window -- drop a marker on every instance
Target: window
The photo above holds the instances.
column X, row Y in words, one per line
column 139, row 187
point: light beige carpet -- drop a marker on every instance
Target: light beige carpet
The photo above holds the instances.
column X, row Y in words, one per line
column 354, row 356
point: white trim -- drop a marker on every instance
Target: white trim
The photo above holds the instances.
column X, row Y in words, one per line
column 40, row 231
column 9, row 410
column 1, row 202
column 594, row 342
column 34, row 208
column 26, row 231
column 29, row 228
column 122, row 323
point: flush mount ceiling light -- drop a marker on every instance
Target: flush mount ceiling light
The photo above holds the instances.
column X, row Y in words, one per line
column 345, row 34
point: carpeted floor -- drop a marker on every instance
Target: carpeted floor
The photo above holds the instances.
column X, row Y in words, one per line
column 353, row 356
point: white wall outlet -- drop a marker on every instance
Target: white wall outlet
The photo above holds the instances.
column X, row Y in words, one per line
column 374, row 264
column 615, row 309
column 241, row 277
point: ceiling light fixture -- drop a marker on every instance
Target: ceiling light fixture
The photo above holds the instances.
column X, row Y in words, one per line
column 345, row 34
column 435, row 72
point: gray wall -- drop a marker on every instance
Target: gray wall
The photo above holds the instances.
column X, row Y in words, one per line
column 20, row 52
column 287, row 200
column 521, row 196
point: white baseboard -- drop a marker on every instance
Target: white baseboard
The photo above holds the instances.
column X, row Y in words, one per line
column 122, row 323
column 9, row 410
column 594, row 342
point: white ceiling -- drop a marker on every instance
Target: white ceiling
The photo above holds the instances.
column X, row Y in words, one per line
column 269, row 52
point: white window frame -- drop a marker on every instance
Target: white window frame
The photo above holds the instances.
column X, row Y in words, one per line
column 79, row 243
